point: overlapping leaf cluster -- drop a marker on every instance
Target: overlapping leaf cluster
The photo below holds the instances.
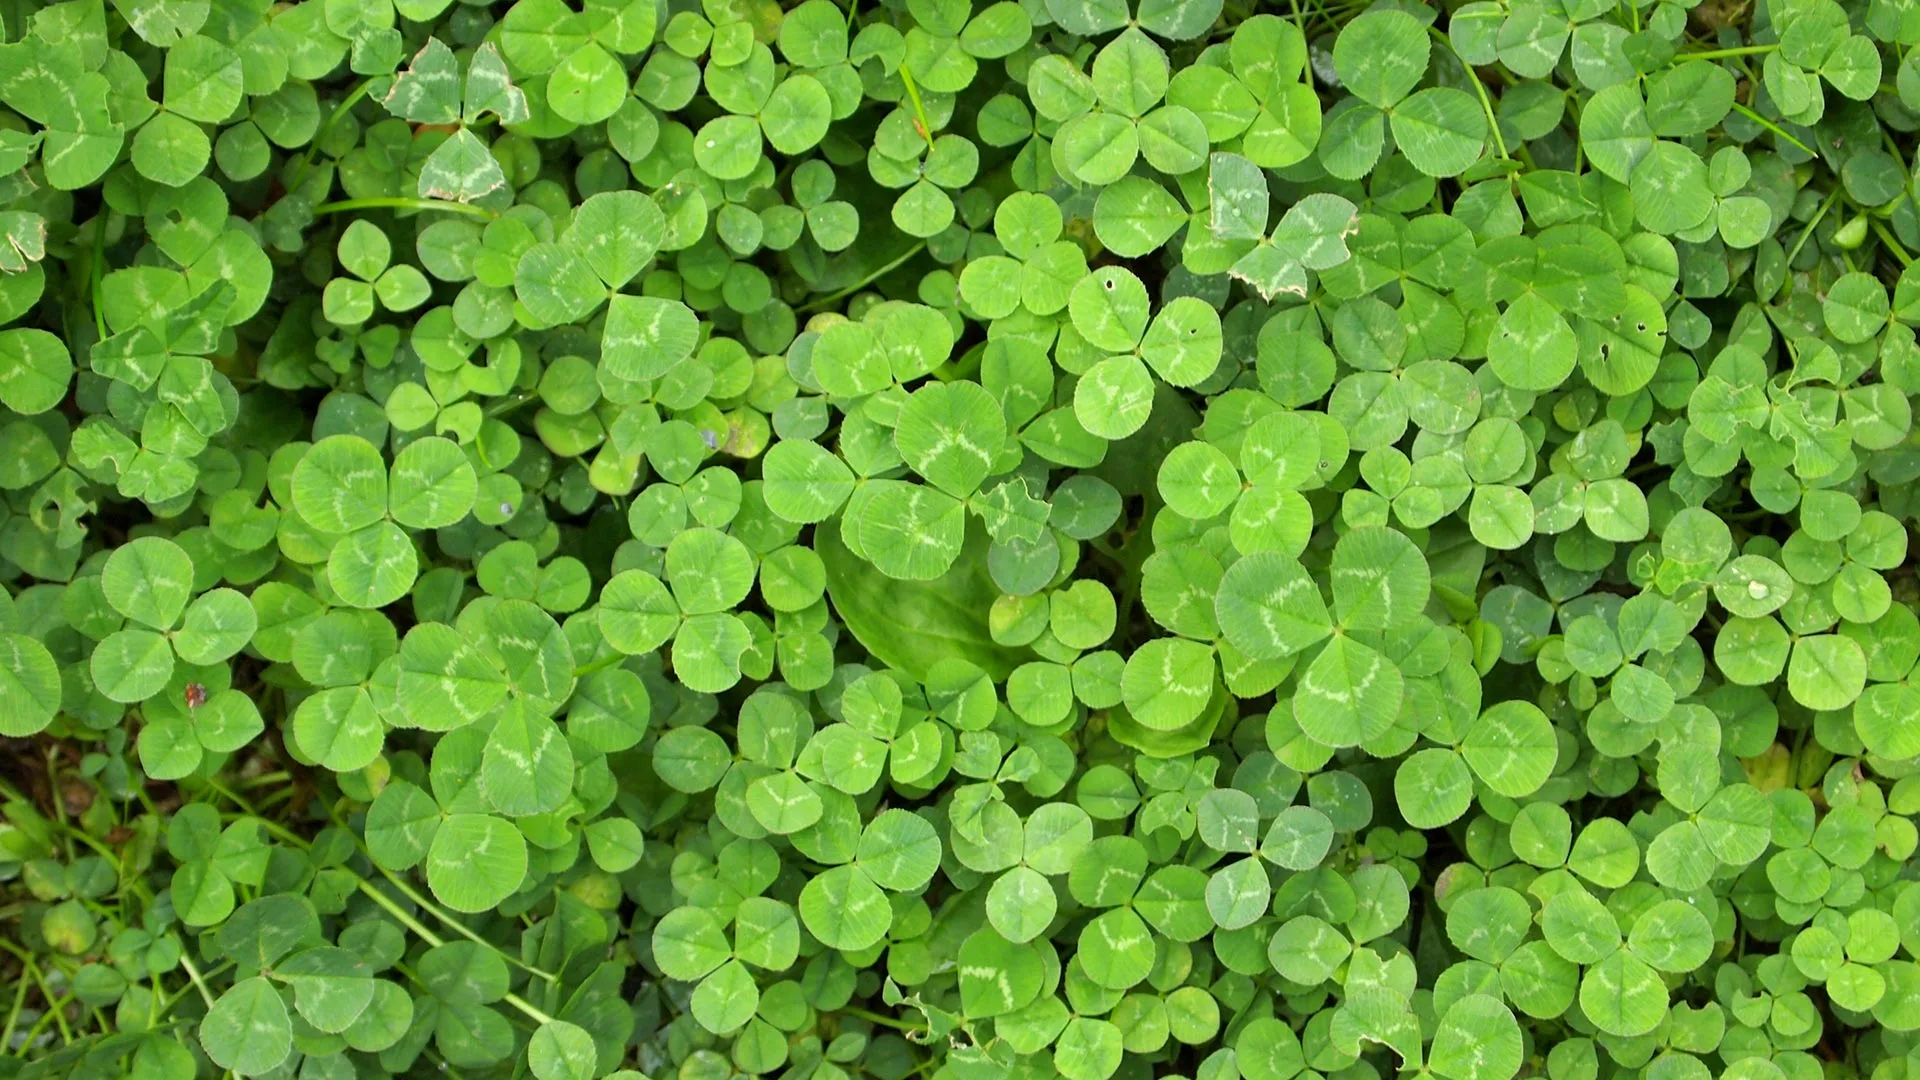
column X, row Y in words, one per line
column 1039, row 538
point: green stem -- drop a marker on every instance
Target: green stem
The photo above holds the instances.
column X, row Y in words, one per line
column 402, row 203
column 876, row 1018
column 434, row 940
column 1832, row 198
column 431, row 908
column 527, row 1008
column 1722, row 54
column 59, row 805
column 401, row 915
column 919, row 112
column 13, row 1015
column 1486, row 103
column 99, row 848
column 236, row 800
column 194, row 974
column 454, row 924
column 281, row 832
column 610, row 660
column 412, row 895
column 1893, row 245
column 1773, row 127
column 441, row 1064
column 1893, row 148
column 264, row 779
column 97, row 272
column 511, row 402
column 56, row 1014
column 333, row 118
column 832, row 298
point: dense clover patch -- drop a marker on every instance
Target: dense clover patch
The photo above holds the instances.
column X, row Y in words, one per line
column 974, row 540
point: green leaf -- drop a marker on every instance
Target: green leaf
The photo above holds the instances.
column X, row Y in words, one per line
column 1511, row 747
column 148, row 581
column 29, row 686
column 1478, row 1039
column 559, row 1050
column 1268, row 607
column 1441, row 130
column 844, row 909
column 1433, row 788
column 460, row 169
column 646, row 337
column 476, row 861
column 248, row 1029
column 1381, row 56
column 1349, row 694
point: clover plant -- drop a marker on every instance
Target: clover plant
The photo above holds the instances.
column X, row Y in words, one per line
column 959, row 539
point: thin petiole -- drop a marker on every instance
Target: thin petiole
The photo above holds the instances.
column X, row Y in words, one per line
column 1812, row 223
column 832, row 298
column 1486, row 103
column 194, row 974
column 1893, row 245
column 1723, row 54
column 333, row 118
column 919, row 111
column 396, row 202
column 1773, row 127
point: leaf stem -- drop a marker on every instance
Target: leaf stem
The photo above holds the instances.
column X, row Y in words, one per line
column 39, row 979
column 526, row 1007
column 919, row 111
column 434, row 940
column 194, row 974
column 876, row 1018
column 398, row 202
column 1722, row 54
column 96, row 273
column 412, row 895
column 1813, row 222
column 511, row 402
column 601, row 664
column 266, row 779
column 400, row 914
column 1486, row 103
column 430, row 908
column 1893, row 245
column 454, row 924
column 333, row 118
column 1773, row 127
column 13, row 1016
column 56, row 1012
column 832, row 298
